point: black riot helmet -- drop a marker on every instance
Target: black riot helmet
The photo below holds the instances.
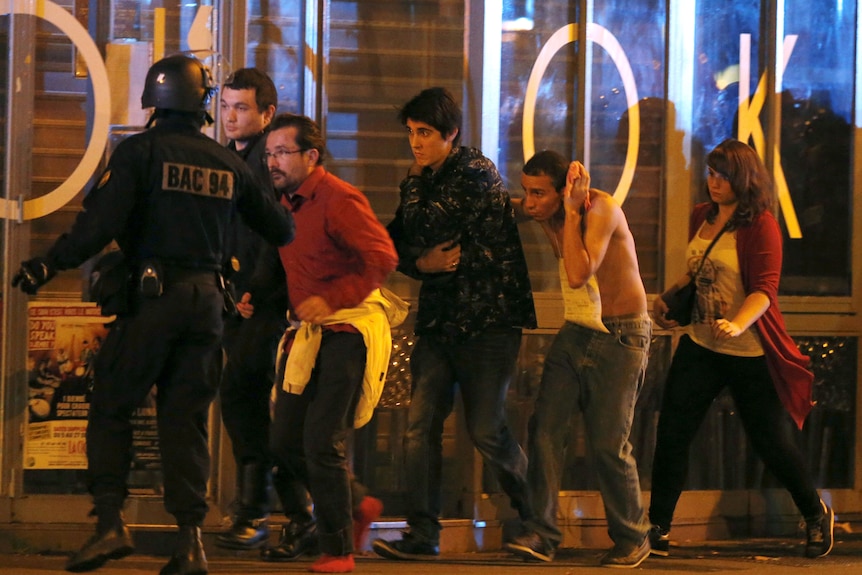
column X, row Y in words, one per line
column 181, row 83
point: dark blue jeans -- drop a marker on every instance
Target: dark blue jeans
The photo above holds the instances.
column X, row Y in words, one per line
column 482, row 367
column 697, row 375
column 308, row 438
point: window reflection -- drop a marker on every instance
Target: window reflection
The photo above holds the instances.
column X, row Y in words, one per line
column 640, row 30
column 275, row 45
column 554, row 119
column 627, row 43
column 816, row 150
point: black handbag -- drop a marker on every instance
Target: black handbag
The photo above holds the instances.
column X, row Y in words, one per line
column 681, row 304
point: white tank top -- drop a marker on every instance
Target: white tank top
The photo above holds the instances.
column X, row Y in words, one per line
column 583, row 306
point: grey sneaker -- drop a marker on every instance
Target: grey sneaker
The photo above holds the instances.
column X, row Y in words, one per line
column 621, row 559
column 531, row 546
column 818, row 540
column 659, row 541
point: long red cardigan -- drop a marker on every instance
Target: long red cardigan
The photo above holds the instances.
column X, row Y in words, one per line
column 759, row 249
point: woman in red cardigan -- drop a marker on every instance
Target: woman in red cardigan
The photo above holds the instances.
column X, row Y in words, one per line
column 736, row 339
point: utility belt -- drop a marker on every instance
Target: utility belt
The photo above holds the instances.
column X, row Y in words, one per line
column 116, row 283
column 174, row 275
column 153, row 276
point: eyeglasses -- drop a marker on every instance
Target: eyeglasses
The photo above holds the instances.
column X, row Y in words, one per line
column 710, row 173
column 279, row 154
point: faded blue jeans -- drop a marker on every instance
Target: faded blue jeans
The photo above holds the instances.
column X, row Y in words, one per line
column 482, row 367
column 601, row 374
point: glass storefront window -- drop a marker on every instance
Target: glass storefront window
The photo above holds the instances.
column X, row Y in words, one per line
column 551, row 121
column 381, row 54
column 813, row 166
column 276, row 45
column 726, row 58
column 816, row 146
column 627, row 118
column 627, row 77
column 150, row 21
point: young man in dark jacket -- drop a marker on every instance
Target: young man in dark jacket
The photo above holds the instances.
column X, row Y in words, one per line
column 455, row 230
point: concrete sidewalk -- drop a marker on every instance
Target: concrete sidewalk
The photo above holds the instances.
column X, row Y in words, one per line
column 758, row 556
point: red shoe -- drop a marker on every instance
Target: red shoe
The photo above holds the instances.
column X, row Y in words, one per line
column 333, row 564
column 368, row 511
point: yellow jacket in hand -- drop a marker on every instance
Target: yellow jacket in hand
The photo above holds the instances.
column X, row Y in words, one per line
column 373, row 318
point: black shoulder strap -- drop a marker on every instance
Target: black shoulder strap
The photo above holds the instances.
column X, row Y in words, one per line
column 709, row 248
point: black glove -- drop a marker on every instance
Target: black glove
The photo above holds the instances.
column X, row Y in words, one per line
column 33, row 274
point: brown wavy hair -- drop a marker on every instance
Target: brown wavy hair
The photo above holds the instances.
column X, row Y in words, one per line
column 749, row 179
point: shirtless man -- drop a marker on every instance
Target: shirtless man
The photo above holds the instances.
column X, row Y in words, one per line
column 596, row 362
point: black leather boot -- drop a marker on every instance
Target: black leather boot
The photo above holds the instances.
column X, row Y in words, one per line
column 189, row 557
column 112, row 540
column 250, row 528
column 297, row 539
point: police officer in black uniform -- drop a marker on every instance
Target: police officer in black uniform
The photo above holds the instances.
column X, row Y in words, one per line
column 166, row 197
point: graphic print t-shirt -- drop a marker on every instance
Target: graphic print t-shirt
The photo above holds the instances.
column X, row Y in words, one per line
column 719, row 295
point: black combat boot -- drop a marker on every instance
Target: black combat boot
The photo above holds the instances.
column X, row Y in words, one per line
column 112, row 540
column 189, row 557
column 250, row 528
column 297, row 539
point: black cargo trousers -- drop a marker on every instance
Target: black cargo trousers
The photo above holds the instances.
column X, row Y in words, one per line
column 170, row 342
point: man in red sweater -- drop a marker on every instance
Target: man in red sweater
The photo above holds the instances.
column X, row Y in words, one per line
column 341, row 256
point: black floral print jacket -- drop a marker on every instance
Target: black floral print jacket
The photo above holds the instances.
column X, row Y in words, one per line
column 465, row 201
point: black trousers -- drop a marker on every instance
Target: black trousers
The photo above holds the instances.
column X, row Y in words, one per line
column 251, row 346
column 697, row 375
column 308, row 438
column 170, row 342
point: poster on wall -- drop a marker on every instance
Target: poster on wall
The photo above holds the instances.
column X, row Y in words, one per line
column 64, row 338
column 63, row 341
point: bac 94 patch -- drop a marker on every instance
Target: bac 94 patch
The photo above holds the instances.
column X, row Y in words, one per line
column 197, row 180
